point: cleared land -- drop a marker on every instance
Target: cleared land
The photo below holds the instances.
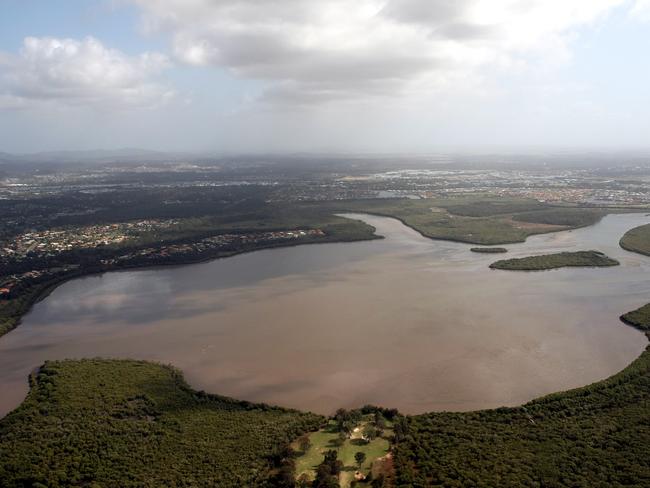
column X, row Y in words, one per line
column 637, row 240
column 132, row 423
column 557, row 260
column 328, row 438
column 489, row 250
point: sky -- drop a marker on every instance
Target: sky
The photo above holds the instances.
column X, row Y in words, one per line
column 372, row 76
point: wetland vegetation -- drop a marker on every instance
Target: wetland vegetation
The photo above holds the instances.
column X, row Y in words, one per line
column 639, row 318
column 556, row 260
column 134, row 423
column 489, row 250
column 477, row 219
column 637, row 240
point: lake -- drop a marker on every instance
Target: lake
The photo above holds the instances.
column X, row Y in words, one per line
column 404, row 322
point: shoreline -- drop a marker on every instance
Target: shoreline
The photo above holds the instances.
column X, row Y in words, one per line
column 527, row 426
column 477, row 243
column 56, row 282
column 51, row 287
column 32, row 378
column 60, row 281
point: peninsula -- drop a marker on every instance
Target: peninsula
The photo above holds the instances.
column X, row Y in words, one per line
column 637, row 240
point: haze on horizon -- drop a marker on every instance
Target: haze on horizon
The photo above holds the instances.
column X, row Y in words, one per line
column 289, row 75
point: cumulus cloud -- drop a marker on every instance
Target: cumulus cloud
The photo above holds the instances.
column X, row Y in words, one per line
column 340, row 49
column 79, row 72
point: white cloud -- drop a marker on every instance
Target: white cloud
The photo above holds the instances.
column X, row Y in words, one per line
column 341, row 49
column 80, row 73
column 641, row 10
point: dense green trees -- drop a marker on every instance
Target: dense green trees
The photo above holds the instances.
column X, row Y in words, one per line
column 360, row 457
column 347, row 420
column 567, row 216
column 370, row 432
column 639, row 318
column 327, row 473
column 489, row 250
column 132, row 423
column 305, row 444
column 557, row 260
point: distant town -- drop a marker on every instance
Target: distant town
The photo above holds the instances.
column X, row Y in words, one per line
column 35, row 246
column 627, row 185
column 57, row 218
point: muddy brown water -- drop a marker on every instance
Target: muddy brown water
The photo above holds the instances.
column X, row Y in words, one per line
column 404, row 322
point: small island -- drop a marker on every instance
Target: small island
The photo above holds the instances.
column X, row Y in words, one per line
column 489, row 250
column 557, row 260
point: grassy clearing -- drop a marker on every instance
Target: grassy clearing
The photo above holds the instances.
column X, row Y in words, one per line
column 554, row 261
column 328, row 439
column 637, row 240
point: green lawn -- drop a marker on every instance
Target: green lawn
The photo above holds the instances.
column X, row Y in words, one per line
column 325, row 439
